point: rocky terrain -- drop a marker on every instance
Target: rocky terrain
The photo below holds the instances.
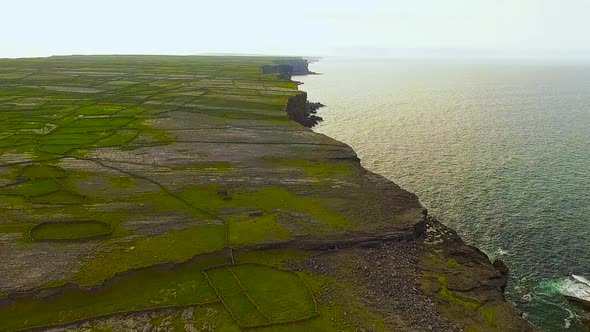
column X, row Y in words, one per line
column 156, row 193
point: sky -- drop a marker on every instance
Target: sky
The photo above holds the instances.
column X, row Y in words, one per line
column 298, row 27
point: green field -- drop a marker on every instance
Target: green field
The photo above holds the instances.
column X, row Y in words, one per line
column 259, row 295
column 82, row 229
column 132, row 183
column 145, row 289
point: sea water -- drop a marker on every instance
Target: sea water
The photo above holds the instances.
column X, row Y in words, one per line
column 498, row 151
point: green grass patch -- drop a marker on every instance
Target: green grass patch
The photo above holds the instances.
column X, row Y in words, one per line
column 331, row 318
column 100, row 122
column 280, row 294
column 167, row 202
column 57, row 149
column 488, row 312
column 61, row 197
column 10, row 201
column 16, row 227
column 157, row 134
column 315, row 282
column 280, row 198
column 151, row 288
column 242, row 309
column 72, row 139
column 32, row 188
column 73, row 230
column 259, row 295
column 174, row 246
column 253, row 230
column 313, row 168
column 43, row 172
column 118, row 138
column 205, row 197
column 208, row 198
column 83, row 212
column 270, row 256
column 67, row 130
column 98, row 109
column 17, row 140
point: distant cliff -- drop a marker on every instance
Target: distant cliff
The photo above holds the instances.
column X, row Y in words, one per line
column 298, row 108
column 287, row 67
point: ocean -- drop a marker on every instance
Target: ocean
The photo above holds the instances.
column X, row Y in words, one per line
column 498, row 151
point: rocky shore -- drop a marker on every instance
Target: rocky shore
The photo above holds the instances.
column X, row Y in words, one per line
column 489, row 283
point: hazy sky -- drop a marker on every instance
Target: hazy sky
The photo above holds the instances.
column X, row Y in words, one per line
column 46, row 27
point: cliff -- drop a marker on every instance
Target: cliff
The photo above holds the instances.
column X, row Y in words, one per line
column 287, row 67
column 476, row 283
column 298, row 108
column 160, row 193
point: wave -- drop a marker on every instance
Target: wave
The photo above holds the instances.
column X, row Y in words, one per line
column 502, row 252
column 581, row 279
column 576, row 286
column 567, row 322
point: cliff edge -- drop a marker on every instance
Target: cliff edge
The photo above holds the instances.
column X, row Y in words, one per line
column 162, row 193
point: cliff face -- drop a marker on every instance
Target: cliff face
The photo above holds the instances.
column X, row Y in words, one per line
column 299, row 66
column 459, row 280
column 210, row 190
column 287, row 67
column 300, row 110
column 296, row 110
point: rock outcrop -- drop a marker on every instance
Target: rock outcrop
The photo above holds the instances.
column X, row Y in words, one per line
column 300, row 110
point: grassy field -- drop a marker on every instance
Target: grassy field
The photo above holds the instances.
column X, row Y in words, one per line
column 81, row 229
column 119, row 173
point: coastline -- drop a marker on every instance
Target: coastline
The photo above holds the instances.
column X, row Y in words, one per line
column 218, row 176
column 433, row 129
column 444, row 239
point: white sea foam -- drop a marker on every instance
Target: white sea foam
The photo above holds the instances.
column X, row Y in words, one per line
column 581, row 279
column 576, row 286
column 502, row 252
column 567, row 322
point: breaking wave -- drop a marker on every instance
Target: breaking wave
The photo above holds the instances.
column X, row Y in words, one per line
column 575, row 286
